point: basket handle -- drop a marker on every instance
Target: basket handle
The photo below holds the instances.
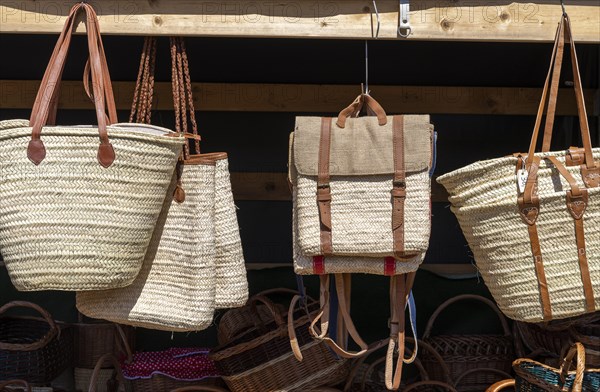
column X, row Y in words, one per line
column 464, row 297
column 500, row 385
column 269, row 304
column 355, row 107
column 480, row 370
column 47, row 338
column 283, row 290
column 369, row 371
column 106, row 358
column 578, row 350
column 123, row 344
column 22, row 383
column 419, row 384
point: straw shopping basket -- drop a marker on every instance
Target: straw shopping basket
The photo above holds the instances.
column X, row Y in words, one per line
column 78, row 204
column 33, row 349
column 533, row 220
column 261, row 359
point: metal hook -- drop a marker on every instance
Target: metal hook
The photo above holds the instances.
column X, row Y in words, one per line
column 562, row 4
column 378, row 19
column 404, row 29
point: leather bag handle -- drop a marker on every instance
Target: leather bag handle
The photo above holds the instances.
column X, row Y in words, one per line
column 36, row 150
column 44, row 340
column 466, row 297
column 353, row 110
column 564, row 35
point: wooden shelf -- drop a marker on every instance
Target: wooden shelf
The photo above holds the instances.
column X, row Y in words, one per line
column 493, row 20
column 312, row 98
column 274, row 187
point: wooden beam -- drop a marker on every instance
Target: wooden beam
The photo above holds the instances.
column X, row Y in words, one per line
column 274, row 187
column 495, row 20
column 310, row 98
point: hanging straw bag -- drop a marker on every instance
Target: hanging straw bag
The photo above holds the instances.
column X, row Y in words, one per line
column 175, row 290
column 533, row 220
column 78, row 204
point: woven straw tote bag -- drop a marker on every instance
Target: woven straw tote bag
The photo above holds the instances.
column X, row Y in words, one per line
column 78, row 204
column 533, row 220
column 175, row 290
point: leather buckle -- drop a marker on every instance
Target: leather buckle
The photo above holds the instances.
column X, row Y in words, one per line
column 323, row 186
column 399, row 184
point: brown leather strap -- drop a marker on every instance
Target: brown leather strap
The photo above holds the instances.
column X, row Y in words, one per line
column 323, row 318
column 540, row 113
column 400, row 286
column 548, row 127
column 399, row 186
column 577, row 202
column 36, row 151
column 590, row 170
column 323, row 187
column 529, row 209
column 353, row 110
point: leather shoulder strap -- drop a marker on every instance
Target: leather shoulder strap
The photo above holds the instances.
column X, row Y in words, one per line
column 323, row 187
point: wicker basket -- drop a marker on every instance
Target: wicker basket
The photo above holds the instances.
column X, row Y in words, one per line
column 261, row 359
column 463, row 353
column 589, row 336
column 33, row 349
column 430, row 386
column 532, row 376
column 370, row 377
column 551, row 340
column 237, row 320
column 99, row 382
column 95, row 338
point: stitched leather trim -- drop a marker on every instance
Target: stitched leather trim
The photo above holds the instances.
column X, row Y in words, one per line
column 323, row 188
column 399, row 186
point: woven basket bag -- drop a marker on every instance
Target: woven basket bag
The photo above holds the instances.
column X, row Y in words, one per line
column 78, row 204
column 533, row 220
column 467, row 356
column 32, row 348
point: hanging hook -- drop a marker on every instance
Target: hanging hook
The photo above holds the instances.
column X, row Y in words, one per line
column 378, row 20
column 562, row 4
column 404, row 29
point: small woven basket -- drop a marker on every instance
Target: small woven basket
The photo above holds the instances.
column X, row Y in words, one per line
column 532, row 376
column 95, row 338
column 33, row 349
column 464, row 353
column 261, row 359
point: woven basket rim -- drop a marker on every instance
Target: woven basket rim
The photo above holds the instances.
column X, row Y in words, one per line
column 86, row 131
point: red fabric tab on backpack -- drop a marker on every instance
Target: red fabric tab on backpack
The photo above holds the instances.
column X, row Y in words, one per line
column 390, row 266
column 318, row 265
